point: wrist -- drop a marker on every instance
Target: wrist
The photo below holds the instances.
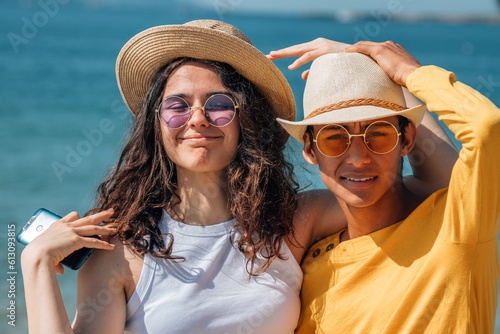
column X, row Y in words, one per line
column 409, row 70
column 32, row 258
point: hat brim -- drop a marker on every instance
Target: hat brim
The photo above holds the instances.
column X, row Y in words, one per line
column 351, row 114
column 143, row 55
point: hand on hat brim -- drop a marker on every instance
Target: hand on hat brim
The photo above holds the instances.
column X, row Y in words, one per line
column 396, row 62
column 307, row 52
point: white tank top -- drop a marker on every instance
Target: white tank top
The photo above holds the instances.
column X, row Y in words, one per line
column 211, row 292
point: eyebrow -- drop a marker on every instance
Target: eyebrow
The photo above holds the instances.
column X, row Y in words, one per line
column 207, row 95
column 363, row 128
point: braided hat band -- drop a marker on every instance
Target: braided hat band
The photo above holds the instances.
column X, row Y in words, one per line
column 349, row 87
column 355, row 103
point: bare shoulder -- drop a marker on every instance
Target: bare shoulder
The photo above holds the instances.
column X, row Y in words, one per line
column 331, row 218
column 318, row 215
column 108, row 278
column 121, row 266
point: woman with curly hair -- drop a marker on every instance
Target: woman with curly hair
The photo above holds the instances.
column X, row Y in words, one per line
column 204, row 230
column 200, row 200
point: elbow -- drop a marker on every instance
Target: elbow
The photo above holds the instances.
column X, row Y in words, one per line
column 489, row 128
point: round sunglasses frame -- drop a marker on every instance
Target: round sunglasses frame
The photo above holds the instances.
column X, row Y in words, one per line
column 315, row 140
column 191, row 110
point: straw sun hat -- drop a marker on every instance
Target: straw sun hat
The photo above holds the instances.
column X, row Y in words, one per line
column 349, row 87
column 143, row 55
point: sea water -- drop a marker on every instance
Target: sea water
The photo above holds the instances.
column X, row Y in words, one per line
column 63, row 121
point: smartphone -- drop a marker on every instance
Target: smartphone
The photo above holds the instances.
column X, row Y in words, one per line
column 38, row 223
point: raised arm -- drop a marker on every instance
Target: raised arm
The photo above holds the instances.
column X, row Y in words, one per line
column 40, row 262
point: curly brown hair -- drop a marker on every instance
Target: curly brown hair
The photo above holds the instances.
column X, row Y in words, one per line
column 262, row 191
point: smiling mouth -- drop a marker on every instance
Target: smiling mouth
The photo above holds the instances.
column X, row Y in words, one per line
column 359, row 180
column 200, row 138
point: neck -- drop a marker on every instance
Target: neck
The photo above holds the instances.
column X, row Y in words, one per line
column 204, row 198
column 392, row 208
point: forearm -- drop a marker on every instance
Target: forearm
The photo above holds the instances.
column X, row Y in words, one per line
column 433, row 155
column 44, row 303
column 431, row 124
column 432, row 158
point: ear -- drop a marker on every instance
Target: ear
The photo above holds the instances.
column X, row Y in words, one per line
column 409, row 139
column 308, row 151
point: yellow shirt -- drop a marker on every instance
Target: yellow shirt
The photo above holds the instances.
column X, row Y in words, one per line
column 437, row 271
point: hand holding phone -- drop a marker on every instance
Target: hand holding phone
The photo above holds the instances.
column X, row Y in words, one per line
column 62, row 237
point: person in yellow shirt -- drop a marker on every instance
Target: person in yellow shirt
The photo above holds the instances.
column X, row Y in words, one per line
column 404, row 264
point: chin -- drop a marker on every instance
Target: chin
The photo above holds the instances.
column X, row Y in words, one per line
column 361, row 200
column 358, row 202
column 213, row 165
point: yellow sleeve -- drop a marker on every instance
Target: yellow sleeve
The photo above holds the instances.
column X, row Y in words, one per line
column 473, row 203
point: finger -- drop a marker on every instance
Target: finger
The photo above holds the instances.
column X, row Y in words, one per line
column 291, row 51
column 341, row 46
column 91, row 230
column 79, row 242
column 365, row 47
column 59, row 269
column 375, row 49
column 72, row 216
column 273, row 55
column 305, row 74
column 95, row 218
column 89, row 242
column 278, row 54
column 321, row 49
column 304, row 59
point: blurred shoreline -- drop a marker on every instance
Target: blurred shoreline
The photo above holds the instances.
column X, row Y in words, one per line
column 406, row 11
column 353, row 16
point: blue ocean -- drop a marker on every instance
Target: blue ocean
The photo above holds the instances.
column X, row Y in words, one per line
column 63, row 121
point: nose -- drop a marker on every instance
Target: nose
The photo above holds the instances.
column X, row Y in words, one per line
column 357, row 154
column 198, row 118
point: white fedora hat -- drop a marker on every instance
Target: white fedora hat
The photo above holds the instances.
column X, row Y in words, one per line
column 349, row 87
column 145, row 53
